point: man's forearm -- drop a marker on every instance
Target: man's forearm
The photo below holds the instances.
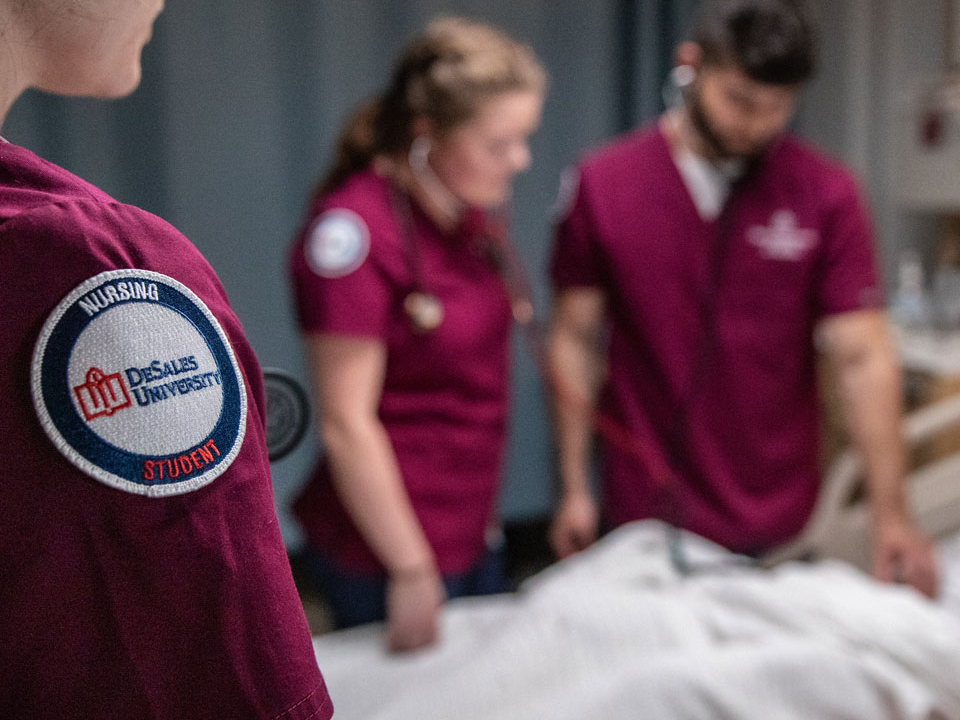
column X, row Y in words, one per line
column 573, row 396
column 875, row 412
column 870, row 383
column 576, row 370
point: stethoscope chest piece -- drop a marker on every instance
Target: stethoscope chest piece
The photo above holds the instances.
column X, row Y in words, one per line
column 424, row 310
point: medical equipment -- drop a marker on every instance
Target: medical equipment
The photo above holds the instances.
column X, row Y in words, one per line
column 839, row 525
column 288, row 412
column 929, row 132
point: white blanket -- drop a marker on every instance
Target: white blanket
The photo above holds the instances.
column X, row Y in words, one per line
column 616, row 633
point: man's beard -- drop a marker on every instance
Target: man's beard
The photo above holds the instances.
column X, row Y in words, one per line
column 713, row 140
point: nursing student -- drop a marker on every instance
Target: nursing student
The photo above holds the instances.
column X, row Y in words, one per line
column 699, row 267
column 405, row 316
column 143, row 572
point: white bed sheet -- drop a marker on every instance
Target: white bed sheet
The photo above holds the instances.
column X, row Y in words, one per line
column 615, row 633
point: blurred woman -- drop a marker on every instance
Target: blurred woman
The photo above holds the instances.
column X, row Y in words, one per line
column 405, row 316
column 143, row 572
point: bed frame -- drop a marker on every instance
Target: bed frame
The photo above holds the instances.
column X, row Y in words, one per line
column 839, row 525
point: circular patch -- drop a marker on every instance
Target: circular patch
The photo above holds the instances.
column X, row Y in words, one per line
column 135, row 382
column 337, row 244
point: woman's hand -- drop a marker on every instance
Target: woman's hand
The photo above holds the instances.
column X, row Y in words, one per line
column 414, row 600
column 348, row 376
column 575, row 524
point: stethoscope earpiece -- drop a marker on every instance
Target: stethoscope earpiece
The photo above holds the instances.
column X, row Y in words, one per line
column 679, row 80
column 423, row 309
column 683, row 76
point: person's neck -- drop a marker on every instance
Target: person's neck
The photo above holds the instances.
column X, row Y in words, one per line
column 17, row 66
column 436, row 200
column 10, row 90
column 683, row 136
column 684, row 139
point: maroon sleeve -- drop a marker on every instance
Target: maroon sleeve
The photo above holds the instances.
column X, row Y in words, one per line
column 346, row 295
column 575, row 259
column 849, row 278
column 115, row 604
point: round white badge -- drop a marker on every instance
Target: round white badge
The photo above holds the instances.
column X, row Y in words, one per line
column 337, row 244
column 135, row 382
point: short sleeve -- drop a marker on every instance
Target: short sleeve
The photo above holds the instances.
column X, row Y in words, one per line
column 339, row 282
column 849, row 278
column 575, row 258
column 127, row 375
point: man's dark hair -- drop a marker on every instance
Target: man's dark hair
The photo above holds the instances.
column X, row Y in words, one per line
column 771, row 41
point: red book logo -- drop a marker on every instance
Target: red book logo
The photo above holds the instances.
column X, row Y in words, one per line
column 102, row 394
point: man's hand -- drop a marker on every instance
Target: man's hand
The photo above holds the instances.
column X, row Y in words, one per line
column 901, row 553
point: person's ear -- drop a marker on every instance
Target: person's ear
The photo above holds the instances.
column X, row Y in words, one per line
column 686, row 58
column 421, row 127
column 689, row 54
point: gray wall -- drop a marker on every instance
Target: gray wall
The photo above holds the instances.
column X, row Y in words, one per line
column 241, row 101
column 876, row 55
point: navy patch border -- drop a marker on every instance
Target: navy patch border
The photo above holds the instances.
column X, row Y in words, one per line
column 105, row 461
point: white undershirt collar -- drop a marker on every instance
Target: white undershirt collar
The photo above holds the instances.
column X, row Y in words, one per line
column 708, row 183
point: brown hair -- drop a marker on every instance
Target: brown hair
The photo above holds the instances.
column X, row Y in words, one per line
column 444, row 75
column 772, row 41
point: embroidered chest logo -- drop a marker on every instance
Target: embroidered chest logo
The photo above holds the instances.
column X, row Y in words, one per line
column 782, row 239
column 134, row 381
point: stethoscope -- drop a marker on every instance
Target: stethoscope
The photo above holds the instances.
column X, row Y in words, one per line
column 675, row 97
column 424, row 310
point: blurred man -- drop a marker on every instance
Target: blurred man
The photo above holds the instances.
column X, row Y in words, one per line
column 695, row 262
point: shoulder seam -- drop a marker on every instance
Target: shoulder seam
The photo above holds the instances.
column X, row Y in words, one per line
column 91, row 200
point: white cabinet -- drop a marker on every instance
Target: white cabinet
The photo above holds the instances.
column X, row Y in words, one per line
column 928, row 177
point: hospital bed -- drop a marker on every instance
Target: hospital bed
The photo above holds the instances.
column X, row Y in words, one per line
column 618, row 632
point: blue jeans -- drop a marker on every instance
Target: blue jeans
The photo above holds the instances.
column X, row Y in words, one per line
column 356, row 599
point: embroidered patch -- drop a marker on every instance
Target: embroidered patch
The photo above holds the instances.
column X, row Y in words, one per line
column 135, row 382
column 783, row 240
column 338, row 243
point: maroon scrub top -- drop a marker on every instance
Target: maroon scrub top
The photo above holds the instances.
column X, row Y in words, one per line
column 444, row 399
column 143, row 571
column 711, row 352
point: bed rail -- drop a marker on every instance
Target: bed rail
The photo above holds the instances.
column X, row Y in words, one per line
column 839, row 525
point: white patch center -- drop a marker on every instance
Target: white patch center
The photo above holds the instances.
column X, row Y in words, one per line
column 173, row 405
